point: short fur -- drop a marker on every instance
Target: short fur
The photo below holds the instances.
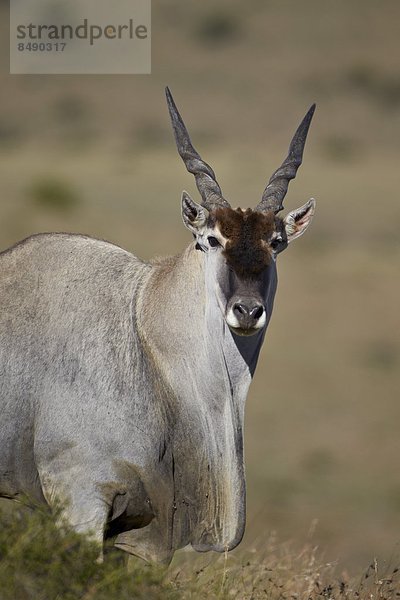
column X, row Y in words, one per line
column 248, row 232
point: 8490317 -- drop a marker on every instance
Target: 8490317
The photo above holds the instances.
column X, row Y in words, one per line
column 41, row 46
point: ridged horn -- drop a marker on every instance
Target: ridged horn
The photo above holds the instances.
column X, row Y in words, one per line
column 205, row 177
column 274, row 193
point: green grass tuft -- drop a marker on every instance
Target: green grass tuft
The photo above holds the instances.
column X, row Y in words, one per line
column 42, row 561
column 53, row 193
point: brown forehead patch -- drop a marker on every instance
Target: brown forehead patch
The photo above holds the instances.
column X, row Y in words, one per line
column 246, row 231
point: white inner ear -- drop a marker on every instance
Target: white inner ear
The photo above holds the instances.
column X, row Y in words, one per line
column 200, row 221
column 194, row 215
column 297, row 221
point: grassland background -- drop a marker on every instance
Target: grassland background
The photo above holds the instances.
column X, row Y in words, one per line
column 95, row 155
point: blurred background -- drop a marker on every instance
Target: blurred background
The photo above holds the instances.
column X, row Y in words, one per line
column 95, row 155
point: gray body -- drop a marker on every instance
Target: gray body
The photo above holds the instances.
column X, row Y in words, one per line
column 108, row 404
column 123, row 383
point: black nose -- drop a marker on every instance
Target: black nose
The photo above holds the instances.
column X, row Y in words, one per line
column 247, row 314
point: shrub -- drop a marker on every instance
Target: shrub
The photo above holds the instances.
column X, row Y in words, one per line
column 217, row 28
column 42, row 561
column 53, row 193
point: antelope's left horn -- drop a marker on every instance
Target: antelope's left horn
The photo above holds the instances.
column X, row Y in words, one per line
column 274, row 193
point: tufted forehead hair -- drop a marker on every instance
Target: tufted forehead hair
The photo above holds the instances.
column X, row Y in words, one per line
column 247, row 233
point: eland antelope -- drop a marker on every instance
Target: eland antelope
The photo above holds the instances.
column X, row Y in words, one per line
column 123, row 382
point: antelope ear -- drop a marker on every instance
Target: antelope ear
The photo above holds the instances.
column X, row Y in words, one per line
column 194, row 215
column 297, row 221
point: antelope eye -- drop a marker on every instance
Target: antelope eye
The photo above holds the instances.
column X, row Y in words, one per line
column 275, row 243
column 213, row 241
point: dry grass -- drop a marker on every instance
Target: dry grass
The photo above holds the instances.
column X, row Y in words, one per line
column 39, row 561
column 281, row 572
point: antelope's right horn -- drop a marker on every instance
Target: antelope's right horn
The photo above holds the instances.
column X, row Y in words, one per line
column 205, row 177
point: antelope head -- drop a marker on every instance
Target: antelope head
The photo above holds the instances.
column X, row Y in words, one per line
column 241, row 245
